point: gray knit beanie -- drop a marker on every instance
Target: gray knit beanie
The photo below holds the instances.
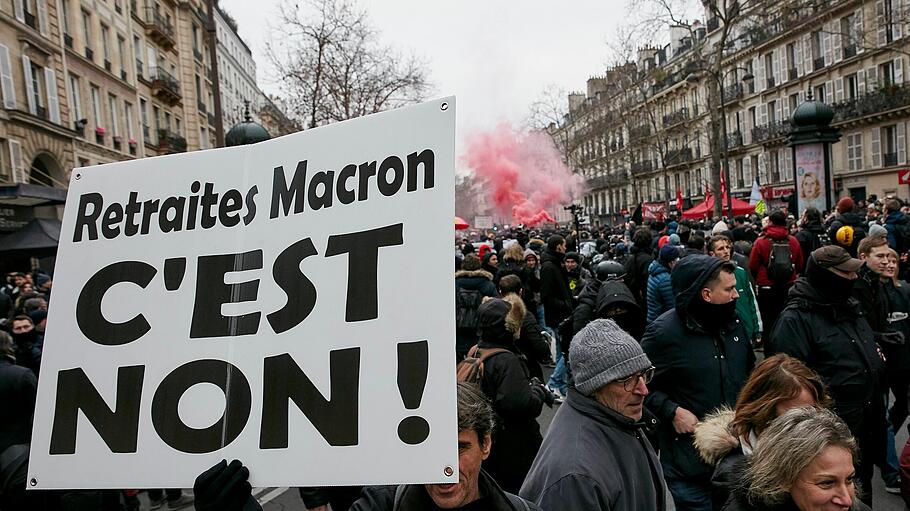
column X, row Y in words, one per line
column 601, row 353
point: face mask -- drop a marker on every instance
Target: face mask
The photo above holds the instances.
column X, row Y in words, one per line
column 25, row 338
column 711, row 316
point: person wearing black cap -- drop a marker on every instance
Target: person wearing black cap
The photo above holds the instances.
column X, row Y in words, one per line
column 703, row 357
column 822, row 324
column 846, row 229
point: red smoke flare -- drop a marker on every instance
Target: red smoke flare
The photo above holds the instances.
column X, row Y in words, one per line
column 522, row 174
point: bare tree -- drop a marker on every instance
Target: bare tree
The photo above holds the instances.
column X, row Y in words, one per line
column 330, row 65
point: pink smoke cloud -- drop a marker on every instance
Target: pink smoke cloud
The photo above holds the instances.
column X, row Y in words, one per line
column 522, row 174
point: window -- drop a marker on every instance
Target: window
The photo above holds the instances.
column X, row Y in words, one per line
column 769, row 69
column 772, row 111
column 791, row 61
column 75, row 103
column 889, row 145
column 87, row 33
column 121, row 50
column 794, row 101
column 756, row 169
column 157, row 116
column 850, row 86
column 128, row 114
column 177, row 128
column 37, row 87
column 137, row 49
column 855, row 151
column 820, row 92
column 816, row 39
column 112, row 114
column 753, row 116
column 96, row 105
column 886, row 73
column 740, row 179
column 65, row 17
column 203, row 139
column 105, row 45
column 774, row 159
column 167, row 121
column 849, row 36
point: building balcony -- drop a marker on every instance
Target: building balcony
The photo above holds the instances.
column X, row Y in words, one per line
column 733, row 93
column 170, row 142
column 596, row 183
column 639, row 132
column 818, row 63
column 89, row 54
column 123, row 75
column 107, row 65
column 30, row 20
column 770, row 131
column 164, row 86
column 734, row 140
column 159, row 29
column 792, row 74
column 642, row 167
column 676, row 117
column 679, row 156
column 875, row 102
column 889, row 159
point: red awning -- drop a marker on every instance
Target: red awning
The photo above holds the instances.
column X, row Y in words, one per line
column 706, row 208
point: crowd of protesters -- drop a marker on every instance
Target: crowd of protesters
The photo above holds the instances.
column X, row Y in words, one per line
column 752, row 363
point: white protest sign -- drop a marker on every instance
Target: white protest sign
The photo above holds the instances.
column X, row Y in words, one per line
column 289, row 304
column 483, row 222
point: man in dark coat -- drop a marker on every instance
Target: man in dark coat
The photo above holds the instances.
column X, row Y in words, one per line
column 507, row 383
column 607, row 297
column 471, row 285
column 823, row 325
column 18, row 386
column 557, row 301
column 596, row 455
column 637, row 265
column 703, row 357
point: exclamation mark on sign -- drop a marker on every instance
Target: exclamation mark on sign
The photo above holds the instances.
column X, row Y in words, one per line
column 413, row 364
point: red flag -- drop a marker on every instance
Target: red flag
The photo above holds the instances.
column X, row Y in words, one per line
column 723, row 187
column 679, row 200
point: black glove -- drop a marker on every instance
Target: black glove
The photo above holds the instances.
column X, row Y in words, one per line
column 544, row 394
column 224, row 488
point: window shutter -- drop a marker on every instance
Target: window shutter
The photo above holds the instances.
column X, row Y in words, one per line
column 807, row 54
column 762, row 78
column 901, row 143
column 881, row 23
column 839, row 90
column 898, row 17
column 861, row 82
column 858, row 35
column 775, row 67
column 42, row 17
column 762, row 171
column 836, row 41
column 872, row 78
column 899, row 70
column 799, row 58
column 53, row 101
column 15, row 160
column 777, row 111
column 29, row 85
column 19, row 10
column 785, row 108
column 876, row 148
column 829, row 92
column 6, row 79
column 826, row 46
column 763, row 111
column 747, row 170
column 153, row 62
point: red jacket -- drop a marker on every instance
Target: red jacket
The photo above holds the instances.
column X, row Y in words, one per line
column 761, row 252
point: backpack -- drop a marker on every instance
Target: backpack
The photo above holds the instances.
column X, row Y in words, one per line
column 466, row 303
column 470, row 369
column 902, row 237
column 780, row 262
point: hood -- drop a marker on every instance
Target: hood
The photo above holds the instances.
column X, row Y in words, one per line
column 689, row 276
column 851, row 218
column 805, row 296
column 483, row 274
column 656, row 268
column 613, row 293
column 896, row 217
column 588, row 295
column 777, row 232
column 516, row 315
column 502, row 331
column 712, row 436
column 549, row 255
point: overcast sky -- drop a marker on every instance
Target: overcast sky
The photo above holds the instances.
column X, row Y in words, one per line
column 495, row 56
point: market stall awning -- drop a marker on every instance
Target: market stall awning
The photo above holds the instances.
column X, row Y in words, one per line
column 706, row 208
column 38, row 238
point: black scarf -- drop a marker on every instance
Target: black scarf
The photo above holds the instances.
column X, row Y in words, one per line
column 710, row 316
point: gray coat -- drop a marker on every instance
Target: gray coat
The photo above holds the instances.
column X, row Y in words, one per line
column 595, row 459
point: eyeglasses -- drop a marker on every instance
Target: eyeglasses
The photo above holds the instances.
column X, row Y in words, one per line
column 629, row 383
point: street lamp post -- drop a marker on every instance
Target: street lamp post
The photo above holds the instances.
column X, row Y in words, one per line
column 719, row 80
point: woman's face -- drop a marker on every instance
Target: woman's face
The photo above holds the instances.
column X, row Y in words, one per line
column 826, row 484
column 494, row 261
column 810, row 186
column 890, row 267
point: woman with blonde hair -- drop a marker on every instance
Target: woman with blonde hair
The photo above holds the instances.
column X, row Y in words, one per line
column 804, row 461
column 726, row 438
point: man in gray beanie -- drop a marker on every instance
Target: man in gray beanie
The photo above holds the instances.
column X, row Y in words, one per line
column 595, row 453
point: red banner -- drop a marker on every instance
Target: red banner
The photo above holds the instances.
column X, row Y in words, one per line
column 655, row 211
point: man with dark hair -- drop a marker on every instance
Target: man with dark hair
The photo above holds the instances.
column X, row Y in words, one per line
column 703, row 357
column 18, row 387
column 557, row 301
column 743, row 231
column 224, row 487
column 846, row 230
column 28, row 345
column 823, row 325
column 775, row 262
column 746, row 306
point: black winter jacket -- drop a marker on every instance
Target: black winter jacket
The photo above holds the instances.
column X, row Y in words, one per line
column 739, row 502
column 835, row 341
column 849, row 219
column 554, row 288
column 595, row 459
column 18, row 387
column 530, row 282
column 696, row 369
column 637, row 274
column 475, row 280
column 414, row 497
column 809, row 239
column 506, row 382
